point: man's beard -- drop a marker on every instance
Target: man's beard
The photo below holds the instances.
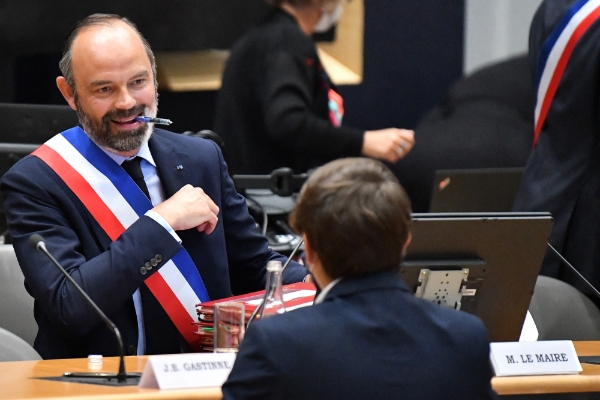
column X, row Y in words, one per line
column 105, row 135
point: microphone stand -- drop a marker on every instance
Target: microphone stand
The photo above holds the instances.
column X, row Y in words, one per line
column 581, row 277
column 38, row 243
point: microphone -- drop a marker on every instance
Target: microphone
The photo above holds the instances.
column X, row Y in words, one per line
column 581, row 277
column 37, row 242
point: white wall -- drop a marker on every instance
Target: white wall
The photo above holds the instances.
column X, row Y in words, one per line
column 496, row 30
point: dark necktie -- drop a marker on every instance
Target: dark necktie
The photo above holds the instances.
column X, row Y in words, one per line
column 134, row 169
column 162, row 336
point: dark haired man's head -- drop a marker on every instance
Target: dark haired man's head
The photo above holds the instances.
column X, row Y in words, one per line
column 355, row 217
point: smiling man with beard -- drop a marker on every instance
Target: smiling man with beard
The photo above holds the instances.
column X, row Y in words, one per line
column 148, row 222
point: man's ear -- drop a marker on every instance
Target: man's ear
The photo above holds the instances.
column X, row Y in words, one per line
column 408, row 239
column 309, row 253
column 67, row 91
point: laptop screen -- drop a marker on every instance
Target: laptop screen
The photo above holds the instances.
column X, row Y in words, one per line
column 475, row 190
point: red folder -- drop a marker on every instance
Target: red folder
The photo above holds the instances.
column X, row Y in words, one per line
column 296, row 295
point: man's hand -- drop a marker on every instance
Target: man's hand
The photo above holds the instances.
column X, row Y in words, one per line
column 189, row 208
column 389, row 144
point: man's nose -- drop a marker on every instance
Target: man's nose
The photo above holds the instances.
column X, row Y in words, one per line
column 124, row 100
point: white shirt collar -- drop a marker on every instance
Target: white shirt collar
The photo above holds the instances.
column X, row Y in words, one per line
column 143, row 152
column 325, row 291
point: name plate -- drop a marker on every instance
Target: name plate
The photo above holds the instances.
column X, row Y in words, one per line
column 534, row 358
column 185, row 371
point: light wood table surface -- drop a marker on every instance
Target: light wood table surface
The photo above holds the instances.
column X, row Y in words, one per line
column 587, row 381
column 17, row 381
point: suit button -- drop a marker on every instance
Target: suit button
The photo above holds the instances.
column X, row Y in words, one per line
column 131, row 350
column 158, row 258
column 154, row 262
column 143, row 270
column 148, row 266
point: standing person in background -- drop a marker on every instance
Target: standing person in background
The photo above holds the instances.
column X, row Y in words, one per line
column 278, row 108
column 367, row 336
column 562, row 175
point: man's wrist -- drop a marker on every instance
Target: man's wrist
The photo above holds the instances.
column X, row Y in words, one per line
column 162, row 222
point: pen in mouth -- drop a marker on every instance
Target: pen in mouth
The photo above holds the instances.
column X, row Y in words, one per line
column 159, row 121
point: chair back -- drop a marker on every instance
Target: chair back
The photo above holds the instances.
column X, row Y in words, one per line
column 16, row 305
column 562, row 312
column 13, row 348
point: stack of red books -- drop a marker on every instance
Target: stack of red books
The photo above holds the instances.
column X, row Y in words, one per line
column 296, row 295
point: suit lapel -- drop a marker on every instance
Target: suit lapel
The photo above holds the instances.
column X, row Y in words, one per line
column 171, row 171
column 173, row 167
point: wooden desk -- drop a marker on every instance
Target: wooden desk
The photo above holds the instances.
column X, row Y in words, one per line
column 16, row 382
column 587, row 381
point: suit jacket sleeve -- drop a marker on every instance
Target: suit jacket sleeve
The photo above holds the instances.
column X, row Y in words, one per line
column 476, row 350
column 253, row 376
column 286, row 94
column 37, row 201
column 247, row 251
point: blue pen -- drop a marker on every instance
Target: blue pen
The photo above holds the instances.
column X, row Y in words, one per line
column 160, row 121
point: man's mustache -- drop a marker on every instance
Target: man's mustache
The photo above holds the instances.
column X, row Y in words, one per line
column 118, row 114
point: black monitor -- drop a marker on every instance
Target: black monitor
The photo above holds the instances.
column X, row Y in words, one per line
column 34, row 123
column 26, row 126
column 482, row 263
column 475, row 190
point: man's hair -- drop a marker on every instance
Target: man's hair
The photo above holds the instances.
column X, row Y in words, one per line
column 356, row 217
column 66, row 65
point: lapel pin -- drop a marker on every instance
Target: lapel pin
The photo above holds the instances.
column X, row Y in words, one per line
column 179, row 166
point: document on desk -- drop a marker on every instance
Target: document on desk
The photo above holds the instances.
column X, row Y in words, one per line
column 187, row 371
column 552, row 357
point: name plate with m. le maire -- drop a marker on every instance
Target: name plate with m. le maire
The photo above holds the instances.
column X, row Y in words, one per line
column 552, row 357
column 187, row 371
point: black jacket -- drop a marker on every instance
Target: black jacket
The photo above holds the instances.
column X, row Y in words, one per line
column 371, row 338
column 563, row 173
column 230, row 260
column 273, row 108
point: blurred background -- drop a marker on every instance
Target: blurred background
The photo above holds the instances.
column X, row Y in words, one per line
column 415, row 55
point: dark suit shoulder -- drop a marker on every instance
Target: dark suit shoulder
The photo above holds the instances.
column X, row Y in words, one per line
column 200, row 149
column 182, row 141
column 29, row 170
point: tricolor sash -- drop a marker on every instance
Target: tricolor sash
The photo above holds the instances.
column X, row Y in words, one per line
column 116, row 202
column 555, row 55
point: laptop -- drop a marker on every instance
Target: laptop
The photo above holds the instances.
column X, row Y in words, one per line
column 475, row 190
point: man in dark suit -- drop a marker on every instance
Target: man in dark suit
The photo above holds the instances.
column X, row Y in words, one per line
column 116, row 237
column 562, row 175
column 367, row 336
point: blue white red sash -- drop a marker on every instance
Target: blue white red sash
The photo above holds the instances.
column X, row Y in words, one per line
column 556, row 53
column 116, row 202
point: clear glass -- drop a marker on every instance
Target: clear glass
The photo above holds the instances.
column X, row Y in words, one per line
column 274, row 292
column 229, row 327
